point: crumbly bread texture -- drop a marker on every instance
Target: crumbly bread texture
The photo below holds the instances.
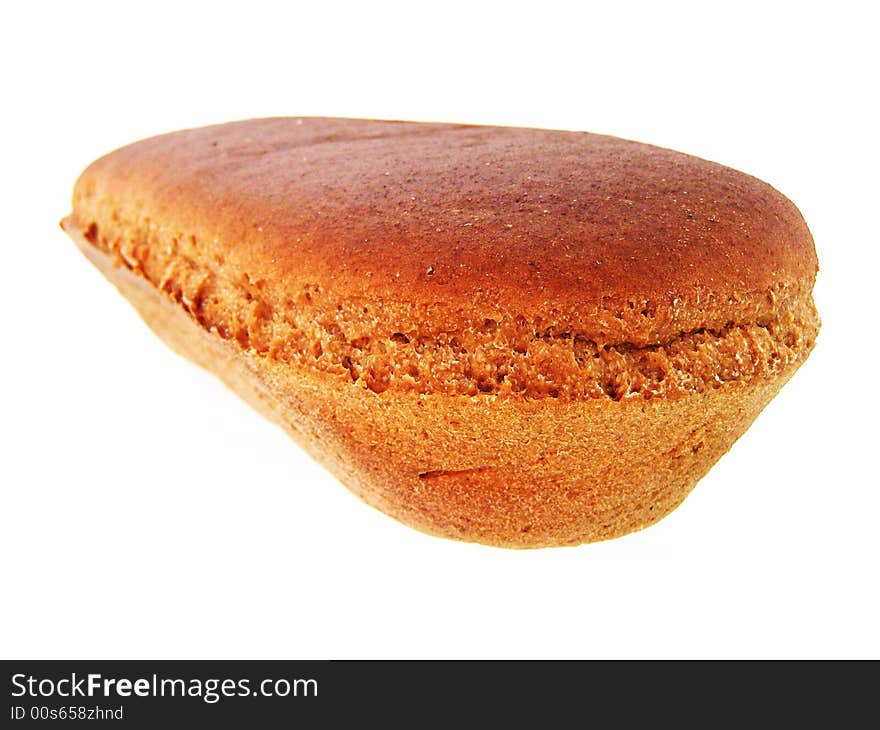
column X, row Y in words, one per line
column 518, row 337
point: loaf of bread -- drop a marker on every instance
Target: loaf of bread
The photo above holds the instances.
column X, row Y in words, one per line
column 512, row 336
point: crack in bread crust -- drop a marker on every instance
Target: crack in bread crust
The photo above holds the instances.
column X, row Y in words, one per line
column 480, row 355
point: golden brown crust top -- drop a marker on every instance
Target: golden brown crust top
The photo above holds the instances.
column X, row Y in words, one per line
column 597, row 237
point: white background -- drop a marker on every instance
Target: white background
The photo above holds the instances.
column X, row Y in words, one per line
column 146, row 512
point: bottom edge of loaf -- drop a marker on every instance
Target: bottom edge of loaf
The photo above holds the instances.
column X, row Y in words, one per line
column 506, row 472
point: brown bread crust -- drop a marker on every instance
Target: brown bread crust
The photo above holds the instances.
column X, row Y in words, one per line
column 520, row 337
